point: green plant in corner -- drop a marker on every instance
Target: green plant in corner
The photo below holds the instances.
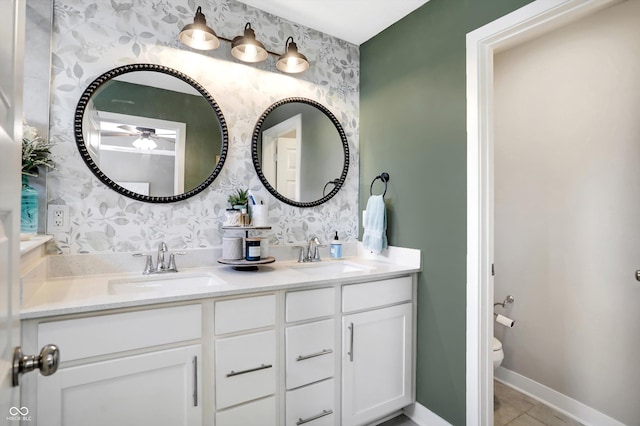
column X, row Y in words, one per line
column 239, row 198
column 36, row 152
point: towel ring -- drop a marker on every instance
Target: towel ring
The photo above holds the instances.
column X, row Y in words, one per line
column 331, row 182
column 384, row 177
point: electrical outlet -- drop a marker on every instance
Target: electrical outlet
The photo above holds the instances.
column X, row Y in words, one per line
column 57, row 218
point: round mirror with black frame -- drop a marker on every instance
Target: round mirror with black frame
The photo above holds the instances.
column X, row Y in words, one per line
column 151, row 133
column 300, row 152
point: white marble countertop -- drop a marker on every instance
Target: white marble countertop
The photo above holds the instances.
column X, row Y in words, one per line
column 87, row 293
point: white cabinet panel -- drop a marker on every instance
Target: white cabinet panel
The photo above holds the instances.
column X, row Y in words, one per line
column 310, row 353
column 310, row 304
column 357, row 297
column 245, row 368
column 107, row 334
column 158, row 388
column 376, row 363
column 258, row 413
column 313, row 405
column 245, row 314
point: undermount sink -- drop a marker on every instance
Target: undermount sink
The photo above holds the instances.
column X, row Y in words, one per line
column 331, row 267
column 162, row 283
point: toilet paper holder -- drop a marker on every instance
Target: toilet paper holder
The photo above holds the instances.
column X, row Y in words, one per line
column 508, row 299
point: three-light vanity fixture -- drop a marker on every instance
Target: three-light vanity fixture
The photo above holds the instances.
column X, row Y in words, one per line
column 245, row 48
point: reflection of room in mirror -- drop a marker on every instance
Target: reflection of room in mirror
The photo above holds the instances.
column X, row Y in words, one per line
column 298, row 150
column 133, row 150
column 281, row 155
column 151, row 127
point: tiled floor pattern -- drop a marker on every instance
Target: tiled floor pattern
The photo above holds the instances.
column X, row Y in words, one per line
column 511, row 408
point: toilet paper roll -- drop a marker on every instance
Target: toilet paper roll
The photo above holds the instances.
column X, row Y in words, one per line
column 232, row 248
column 507, row 322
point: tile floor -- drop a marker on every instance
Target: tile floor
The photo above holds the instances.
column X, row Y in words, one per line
column 511, row 408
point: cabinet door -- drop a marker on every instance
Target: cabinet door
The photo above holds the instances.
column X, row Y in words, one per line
column 158, row 388
column 376, row 363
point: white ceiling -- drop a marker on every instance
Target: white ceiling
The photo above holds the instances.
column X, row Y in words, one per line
column 355, row 21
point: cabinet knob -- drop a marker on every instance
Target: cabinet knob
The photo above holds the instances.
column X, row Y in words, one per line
column 47, row 362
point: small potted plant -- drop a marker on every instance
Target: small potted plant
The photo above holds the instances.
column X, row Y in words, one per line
column 239, row 199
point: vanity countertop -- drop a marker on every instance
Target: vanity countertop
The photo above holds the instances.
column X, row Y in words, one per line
column 77, row 294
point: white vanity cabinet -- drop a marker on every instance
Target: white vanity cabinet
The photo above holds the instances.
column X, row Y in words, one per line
column 124, row 369
column 245, row 361
column 377, row 349
column 335, row 353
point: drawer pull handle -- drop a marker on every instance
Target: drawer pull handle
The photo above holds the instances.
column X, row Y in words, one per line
column 251, row 370
column 350, row 353
column 312, row 418
column 322, row 352
column 195, row 381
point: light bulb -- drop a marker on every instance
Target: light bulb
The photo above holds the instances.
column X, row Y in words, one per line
column 250, row 51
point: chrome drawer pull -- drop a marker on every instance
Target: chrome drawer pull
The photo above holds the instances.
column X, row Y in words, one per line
column 195, row 381
column 312, row 418
column 323, row 352
column 251, row 370
column 350, row 353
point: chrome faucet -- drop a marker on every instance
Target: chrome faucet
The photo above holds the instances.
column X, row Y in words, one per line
column 162, row 249
column 161, row 265
column 310, row 252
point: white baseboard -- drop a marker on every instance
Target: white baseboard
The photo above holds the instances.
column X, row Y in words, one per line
column 554, row 399
column 421, row 415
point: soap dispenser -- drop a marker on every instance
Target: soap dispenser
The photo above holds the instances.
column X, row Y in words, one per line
column 336, row 247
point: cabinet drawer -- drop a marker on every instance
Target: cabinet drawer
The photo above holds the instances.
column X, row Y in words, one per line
column 107, row 334
column 309, row 304
column 258, row 413
column 245, row 368
column 310, row 353
column 245, row 314
column 313, row 405
column 378, row 293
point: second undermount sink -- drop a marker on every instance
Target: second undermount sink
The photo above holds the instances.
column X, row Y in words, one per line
column 331, row 267
column 171, row 282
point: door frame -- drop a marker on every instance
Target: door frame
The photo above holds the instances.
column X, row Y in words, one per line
column 526, row 23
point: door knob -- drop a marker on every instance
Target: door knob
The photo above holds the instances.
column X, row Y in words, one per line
column 47, row 362
column 638, row 275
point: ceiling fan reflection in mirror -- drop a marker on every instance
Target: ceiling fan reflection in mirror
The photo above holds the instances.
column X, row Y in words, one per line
column 145, row 137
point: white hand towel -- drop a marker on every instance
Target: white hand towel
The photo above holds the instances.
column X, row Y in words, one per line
column 374, row 237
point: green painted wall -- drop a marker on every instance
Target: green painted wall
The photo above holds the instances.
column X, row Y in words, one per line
column 413, row 125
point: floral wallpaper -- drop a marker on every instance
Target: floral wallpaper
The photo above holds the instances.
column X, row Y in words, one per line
column 91, row 37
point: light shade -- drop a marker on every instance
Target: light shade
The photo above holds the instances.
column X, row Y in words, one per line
column 198, row 35
column 246, row 48
column 144, row 142
column 292, row 61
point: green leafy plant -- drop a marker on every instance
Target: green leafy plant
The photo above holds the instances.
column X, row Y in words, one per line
column 239, row 198
column 36, row 152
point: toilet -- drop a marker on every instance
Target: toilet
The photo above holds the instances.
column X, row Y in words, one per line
column 498, row 353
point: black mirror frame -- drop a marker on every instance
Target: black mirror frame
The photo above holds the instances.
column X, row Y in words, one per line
column 84, row 153
column 256, row 161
